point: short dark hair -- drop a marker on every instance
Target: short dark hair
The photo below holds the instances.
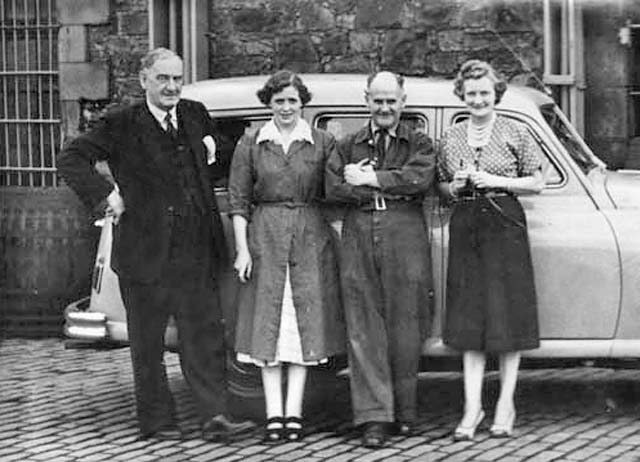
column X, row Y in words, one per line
column 278, row 82
column 399, row 78
column 149, row 59
column 476, row 69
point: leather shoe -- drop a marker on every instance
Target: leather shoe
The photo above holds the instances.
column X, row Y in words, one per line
column 220, row 428
column 168, row 433
column 374, row 435
column 399, row 428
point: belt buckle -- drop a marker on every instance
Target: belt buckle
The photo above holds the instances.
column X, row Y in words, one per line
column 379, row 202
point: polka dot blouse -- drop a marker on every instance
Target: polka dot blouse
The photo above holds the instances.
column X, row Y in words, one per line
column 511, row 151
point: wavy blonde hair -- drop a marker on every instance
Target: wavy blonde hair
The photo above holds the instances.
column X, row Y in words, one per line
column 476, row 69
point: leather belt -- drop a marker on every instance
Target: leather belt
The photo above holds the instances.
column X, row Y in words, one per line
column 288, row 204
column 480, row 194
column 381, row 203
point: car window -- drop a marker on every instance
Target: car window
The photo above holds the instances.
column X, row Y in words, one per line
column 340, row 125
column 551, row 172
column 229, row 131
column 568, row 136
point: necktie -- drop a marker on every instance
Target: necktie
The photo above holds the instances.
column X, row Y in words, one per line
column 171, row 130
column 381, row 145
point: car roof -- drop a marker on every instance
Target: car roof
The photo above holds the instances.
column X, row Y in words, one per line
column 347, row 90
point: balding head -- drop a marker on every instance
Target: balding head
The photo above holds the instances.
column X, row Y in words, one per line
column 385, row 76
column 385, row 97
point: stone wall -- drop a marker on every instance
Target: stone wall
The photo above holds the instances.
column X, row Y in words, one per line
column 121, row 44
column 413, row 37
column 106, row 38
column 607, row 117
column 100, row 46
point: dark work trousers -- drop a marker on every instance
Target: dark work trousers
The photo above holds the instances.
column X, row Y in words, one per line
column 386, row 281
column 201, row 348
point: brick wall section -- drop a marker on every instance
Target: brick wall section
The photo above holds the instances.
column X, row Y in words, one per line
column 419, row 37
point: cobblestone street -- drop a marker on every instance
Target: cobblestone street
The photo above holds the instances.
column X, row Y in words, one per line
column 59, row 405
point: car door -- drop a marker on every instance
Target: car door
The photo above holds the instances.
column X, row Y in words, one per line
column 574, row 252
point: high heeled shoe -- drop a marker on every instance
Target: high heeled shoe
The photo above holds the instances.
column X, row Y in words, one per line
column 503, row 430
column 462, row 433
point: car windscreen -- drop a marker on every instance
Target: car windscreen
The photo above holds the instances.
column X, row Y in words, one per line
column 569, row 137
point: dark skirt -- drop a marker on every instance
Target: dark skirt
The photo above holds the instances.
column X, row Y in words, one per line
column 491, row 297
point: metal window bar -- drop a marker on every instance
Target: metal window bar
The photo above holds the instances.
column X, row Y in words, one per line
column 183, row 32
column 563, row 47
column 30, row 125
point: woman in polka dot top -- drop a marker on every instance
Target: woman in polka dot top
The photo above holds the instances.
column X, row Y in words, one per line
column 484, row 163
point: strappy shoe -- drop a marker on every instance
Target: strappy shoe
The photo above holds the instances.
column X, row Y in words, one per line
column 273, row 430
column 293, row 428
column 467, row 433
column 503, row 430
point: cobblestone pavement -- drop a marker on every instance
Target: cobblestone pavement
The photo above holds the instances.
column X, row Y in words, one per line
column 60, row 405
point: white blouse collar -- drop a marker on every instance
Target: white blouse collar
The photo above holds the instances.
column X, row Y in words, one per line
column 270, row 132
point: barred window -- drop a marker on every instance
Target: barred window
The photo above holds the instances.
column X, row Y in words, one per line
column 30, row 130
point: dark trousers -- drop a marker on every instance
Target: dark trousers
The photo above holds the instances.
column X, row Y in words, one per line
column 201, row 348
column 385, row 273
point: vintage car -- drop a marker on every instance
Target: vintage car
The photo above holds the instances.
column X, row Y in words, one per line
column 582, row 226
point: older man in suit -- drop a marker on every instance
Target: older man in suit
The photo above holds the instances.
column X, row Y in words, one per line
column 168, row 240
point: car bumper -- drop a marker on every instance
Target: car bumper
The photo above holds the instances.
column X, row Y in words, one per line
column 82, row 324
column 91, row 326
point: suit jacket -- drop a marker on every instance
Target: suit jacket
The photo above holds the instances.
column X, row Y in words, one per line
column 127, row 139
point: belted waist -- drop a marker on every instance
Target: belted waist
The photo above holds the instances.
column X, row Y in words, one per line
column 481, row 193
column 188, row 211
column 288, row 204
column 381, row 202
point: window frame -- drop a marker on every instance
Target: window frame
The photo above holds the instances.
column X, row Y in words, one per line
column 216, row 118
column 182, row 26
column 463, row 114
column 365, row 115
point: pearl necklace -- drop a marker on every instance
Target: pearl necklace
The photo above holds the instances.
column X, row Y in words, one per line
column 479, row 135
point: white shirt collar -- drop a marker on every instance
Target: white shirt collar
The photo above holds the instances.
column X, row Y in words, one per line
column 270, row 132
column 159, row 115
